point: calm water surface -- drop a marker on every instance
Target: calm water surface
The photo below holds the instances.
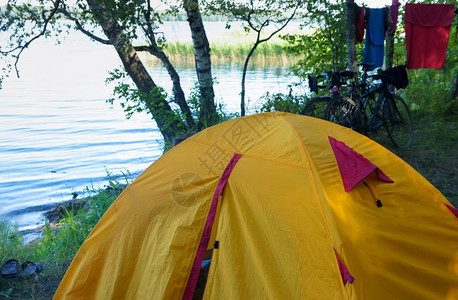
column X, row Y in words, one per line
column 58, row 135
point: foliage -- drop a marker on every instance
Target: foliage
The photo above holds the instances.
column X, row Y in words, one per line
column 281, row 102
column 24, row 23
column 194, row 100
column 429, row 92
column 11, row 246
column 65, row 242
column 134, row 101
column 323, row 43
column 180, row 17
column 255, row 14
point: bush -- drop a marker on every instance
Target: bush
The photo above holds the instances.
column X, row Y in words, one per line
column 281, row 102
column 429, row 93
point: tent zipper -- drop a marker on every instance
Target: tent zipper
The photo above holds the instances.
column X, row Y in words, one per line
column 374, row 195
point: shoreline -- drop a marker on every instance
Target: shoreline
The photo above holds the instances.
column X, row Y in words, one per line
column 54, row 213
column 49, row 213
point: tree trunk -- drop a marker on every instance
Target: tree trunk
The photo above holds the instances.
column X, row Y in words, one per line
column 389, row 51
column 176, row 87
column 155, row 50
column 177, row 90
column 350, row 35
column 208, row 115
column 168, row 123
column 245, row 68
column 252, row 21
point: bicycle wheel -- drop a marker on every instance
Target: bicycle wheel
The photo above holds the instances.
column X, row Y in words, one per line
column 316, row 107
column 398, row 121
column 345, row 111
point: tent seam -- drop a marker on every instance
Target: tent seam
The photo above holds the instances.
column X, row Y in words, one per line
column 306, row 157
column 245, row 154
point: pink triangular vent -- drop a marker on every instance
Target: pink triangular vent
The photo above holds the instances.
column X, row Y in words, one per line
column 353, row 166
column 452, row 209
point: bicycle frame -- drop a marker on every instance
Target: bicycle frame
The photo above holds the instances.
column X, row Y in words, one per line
column 375, row 120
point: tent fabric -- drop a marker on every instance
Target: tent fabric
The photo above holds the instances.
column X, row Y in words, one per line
column 206, row 235
column 375, row 38
column 282, row 217
column 427, row 34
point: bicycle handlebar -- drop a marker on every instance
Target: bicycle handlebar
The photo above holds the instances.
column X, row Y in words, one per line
column 334, row 78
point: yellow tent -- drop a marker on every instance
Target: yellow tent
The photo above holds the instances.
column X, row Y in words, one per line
column 287, row 207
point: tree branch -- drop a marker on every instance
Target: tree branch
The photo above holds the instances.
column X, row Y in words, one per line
column 80, row 27
column 283, row 26
column 148, row 49
column 21, row 48
column 149, row 27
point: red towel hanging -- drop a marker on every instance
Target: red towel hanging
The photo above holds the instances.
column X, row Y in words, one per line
column 427, row 34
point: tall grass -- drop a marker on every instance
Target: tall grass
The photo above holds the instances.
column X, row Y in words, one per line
column 429, row 92
column 267, row 54
column 10, row 241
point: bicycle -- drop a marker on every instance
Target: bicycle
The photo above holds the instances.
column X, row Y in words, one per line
column 351, row 114
column 377, row 108
column 316, row 107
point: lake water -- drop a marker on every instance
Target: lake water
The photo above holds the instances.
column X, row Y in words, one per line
column 58, row 135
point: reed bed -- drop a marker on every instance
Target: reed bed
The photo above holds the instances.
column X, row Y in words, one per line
column 225, row 53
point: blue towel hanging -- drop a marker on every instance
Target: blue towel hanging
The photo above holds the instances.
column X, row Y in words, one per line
column 375, row 37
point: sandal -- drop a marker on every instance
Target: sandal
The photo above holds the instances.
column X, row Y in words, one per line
column 29, row 268
column 10, row 269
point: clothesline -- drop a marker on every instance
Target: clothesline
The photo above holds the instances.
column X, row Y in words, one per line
column 374, row 3
column 427, row 32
